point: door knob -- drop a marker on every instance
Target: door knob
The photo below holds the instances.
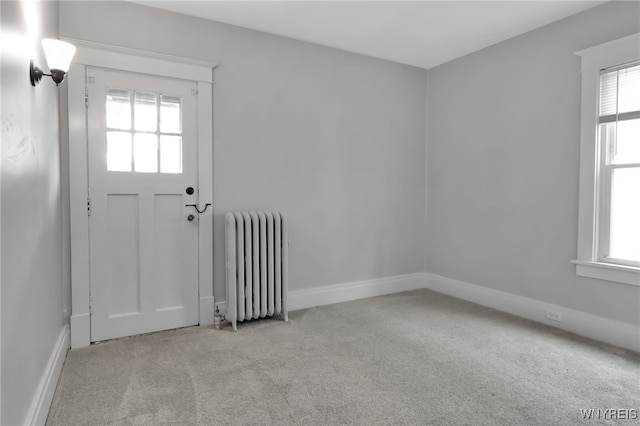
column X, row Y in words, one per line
column 189, row 190
column 190, row 217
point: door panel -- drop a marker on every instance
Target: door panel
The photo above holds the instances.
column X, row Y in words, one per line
column 142, row 156
column 169, row 241
column 123, row 262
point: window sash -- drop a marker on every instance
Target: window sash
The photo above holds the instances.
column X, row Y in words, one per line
column 607, row 135
column 609, row 96
column 619, row 117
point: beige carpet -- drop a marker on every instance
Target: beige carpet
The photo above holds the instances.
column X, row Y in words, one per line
column 410, row 358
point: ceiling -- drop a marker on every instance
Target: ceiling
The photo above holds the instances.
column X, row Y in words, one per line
column 419, row 33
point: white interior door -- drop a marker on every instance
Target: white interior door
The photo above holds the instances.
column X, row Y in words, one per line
column 143, row 172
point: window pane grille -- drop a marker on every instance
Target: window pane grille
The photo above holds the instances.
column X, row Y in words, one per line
column 119, row 151
column 145, row 152
column 145, row 112
column 170, row 114
column 624, row 240
column 145, row 135
column 170, row 154
column 118, row 109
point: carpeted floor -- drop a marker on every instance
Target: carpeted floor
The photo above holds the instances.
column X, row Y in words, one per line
column 409, row 358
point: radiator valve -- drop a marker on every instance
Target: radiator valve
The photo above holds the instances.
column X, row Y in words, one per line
column 218, row 318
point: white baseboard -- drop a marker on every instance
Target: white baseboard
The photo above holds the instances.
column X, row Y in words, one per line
column 39, row 409
column 345, row 292
column 603, row 329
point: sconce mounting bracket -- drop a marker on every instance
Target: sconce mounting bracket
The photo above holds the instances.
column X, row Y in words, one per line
column 35, row 73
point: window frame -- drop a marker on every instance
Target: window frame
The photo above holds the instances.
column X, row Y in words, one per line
column 606, row 170
column 591, row 227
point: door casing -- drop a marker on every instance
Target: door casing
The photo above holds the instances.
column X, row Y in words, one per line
column 124, row 59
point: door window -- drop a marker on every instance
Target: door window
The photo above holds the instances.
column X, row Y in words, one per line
column 144, row 132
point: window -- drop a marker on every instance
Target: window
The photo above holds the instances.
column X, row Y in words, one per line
column 609, row 215
column 619, row 174
column 145, row 138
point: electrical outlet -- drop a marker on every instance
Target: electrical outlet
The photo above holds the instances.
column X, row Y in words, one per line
column 554, row 315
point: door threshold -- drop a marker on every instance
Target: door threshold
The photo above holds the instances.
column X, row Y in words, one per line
column 151, row 333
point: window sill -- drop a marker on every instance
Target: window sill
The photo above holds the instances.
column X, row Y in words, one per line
column 608, row 272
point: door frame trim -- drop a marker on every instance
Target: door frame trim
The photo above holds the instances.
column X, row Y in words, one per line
column 125, row 59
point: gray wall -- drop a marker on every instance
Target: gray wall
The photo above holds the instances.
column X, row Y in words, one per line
column 32, row 286
column 334, row 139
column 502, row 170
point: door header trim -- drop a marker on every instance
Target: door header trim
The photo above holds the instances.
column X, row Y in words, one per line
column 141, row 61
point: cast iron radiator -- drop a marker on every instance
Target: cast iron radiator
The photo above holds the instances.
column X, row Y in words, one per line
column 257, row 261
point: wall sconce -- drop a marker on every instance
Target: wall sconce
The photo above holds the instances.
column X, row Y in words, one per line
column 59, row 54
